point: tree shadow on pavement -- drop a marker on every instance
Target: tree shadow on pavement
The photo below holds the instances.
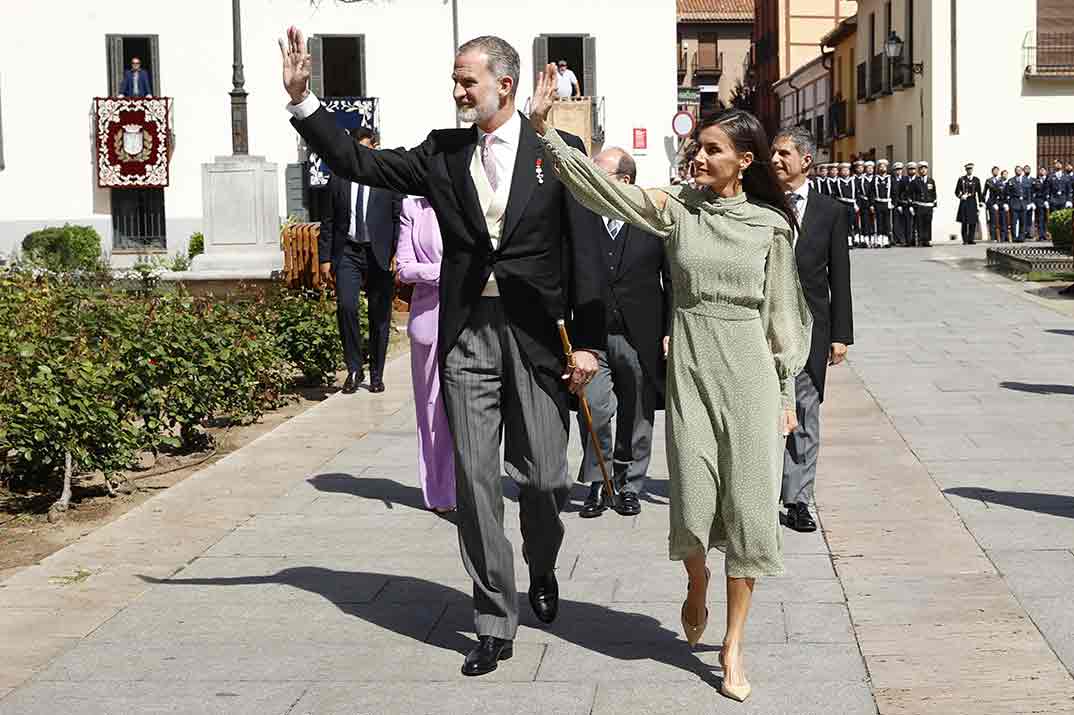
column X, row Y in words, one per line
column 1038, row 389
column 621, row 635
column 1053, row 504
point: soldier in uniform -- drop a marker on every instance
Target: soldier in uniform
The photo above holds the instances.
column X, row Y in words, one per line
column 1067, row 184
column 1040, row 204
column 908, row 203
column 923, row 195
column 995, row 193
column 970, row 197
column 844, row 194
column 861, row 194
column 898, row 217
column 881, row 199
column 1018, row 196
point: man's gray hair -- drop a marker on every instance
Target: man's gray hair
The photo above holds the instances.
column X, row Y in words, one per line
column 502, row 58
column 802, row 139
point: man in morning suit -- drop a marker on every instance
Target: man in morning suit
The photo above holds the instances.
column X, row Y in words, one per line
column 505, row 280
column 357, row 242
column 824, row 270
column 629, row 385
column 970, row 197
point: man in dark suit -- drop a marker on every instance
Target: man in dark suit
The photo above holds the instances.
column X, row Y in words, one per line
column 970, row 197
column 357, row 242
column 629, row 385
column 505, row 280
column 824, row 271
column 136, row 81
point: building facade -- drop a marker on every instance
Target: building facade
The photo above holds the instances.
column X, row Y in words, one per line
column 841, row 44
column 804, row 98
column 787, row 35
column 994, row 88
column 399, row 53
column 714, row 46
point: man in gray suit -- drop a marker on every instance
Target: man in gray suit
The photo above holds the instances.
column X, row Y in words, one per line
column 824, row 270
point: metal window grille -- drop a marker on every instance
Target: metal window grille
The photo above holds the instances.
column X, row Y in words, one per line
column 1055, row 141
column 138, row 219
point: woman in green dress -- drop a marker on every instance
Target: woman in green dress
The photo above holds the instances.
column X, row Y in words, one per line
column 740, row 333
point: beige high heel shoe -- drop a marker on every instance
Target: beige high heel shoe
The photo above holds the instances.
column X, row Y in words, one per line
column 735, row 692
column 693, row 632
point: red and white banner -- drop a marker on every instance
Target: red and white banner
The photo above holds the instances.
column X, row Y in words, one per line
column 132, row 142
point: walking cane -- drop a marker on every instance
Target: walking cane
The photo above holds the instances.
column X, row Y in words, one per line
column 584, row 406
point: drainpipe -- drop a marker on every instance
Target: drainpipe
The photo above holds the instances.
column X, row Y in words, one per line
column 954, row 67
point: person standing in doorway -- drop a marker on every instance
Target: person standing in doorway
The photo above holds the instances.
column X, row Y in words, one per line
column 566, row 82
column 823, row 262
column 970, row 197
column 357, row 244
column 137, row 81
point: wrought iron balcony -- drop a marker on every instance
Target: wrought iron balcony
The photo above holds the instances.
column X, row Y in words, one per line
column 863, row 82
column 837, row 113
column 1049, row 55
column 876, row 75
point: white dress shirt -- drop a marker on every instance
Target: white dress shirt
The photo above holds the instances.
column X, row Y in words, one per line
column 613, row 225
column 800, row 206
column 504, row 150
column 353, row 228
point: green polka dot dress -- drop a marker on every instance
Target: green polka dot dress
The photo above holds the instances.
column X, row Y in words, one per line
column 740, row 333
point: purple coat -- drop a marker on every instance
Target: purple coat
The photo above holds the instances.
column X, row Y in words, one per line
column 417, row 261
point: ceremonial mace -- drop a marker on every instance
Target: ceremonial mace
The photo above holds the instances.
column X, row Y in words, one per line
column 584, row 405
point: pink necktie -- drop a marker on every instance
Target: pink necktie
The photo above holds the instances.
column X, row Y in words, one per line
column 489, row 162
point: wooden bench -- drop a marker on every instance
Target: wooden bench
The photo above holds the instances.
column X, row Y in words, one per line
column 300, row 260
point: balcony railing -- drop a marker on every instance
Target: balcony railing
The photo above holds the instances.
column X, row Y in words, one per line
column 863, row 82
column 1049, row 55
column 876, row 76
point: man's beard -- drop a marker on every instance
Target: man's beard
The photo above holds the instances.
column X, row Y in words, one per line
column 480, row 113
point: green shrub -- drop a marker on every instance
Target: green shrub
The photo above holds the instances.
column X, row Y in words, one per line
column 69, row 248
column 196, row 247
column 1059, row 226
column 307, row 332
column 179, row 262
column 104, row 374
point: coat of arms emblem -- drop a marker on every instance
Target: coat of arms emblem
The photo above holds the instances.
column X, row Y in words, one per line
column 132, row 144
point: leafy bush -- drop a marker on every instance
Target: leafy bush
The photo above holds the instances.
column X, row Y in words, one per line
column 196, row 247
column 104, row 374
column 179, row 262
column 69, row 248
column 1059, row 226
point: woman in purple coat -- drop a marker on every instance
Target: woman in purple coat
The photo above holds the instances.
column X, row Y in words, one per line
column 417, row 261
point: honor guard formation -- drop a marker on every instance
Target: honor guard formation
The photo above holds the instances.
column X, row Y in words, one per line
column 895, row 209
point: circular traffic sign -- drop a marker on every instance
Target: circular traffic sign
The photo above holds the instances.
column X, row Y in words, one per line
column 683, row 123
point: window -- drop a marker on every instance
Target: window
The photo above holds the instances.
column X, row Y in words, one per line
column 1054, row 141
column 138, row 220
column 910, row 142
column 121, row 49
column 338, row 65
column 887, row 33
column 708, row 59
column 889, row 153
column 908, row 51
column 580, row 52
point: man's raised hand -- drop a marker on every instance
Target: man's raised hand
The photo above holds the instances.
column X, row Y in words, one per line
column 544, row 95
column 297, row 64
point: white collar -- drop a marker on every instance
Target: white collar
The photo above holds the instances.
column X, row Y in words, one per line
column 803, row 191
column 509, row 132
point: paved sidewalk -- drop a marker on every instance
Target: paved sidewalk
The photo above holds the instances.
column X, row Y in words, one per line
column 301, row 574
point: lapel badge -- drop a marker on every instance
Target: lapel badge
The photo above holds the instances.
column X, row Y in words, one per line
column 538, row 169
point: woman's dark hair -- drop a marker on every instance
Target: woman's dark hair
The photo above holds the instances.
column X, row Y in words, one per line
column 759, row 181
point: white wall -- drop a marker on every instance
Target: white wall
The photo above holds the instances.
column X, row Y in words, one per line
column 48, row 145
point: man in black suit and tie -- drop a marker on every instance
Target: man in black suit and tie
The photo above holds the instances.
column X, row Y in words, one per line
column 629, row 385
column 357, row 242
column 505, row 280
column 824, row 270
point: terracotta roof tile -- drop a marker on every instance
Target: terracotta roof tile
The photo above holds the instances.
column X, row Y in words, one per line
column 715, row 10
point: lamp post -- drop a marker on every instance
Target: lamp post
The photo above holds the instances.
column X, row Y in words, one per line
column 893, row 49
column 240, row 145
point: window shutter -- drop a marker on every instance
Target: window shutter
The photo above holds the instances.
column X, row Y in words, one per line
column 114, row 49
column 154, row 58
column 317, row 66
column 364, row 90
column 589, row 70
column 540, row 56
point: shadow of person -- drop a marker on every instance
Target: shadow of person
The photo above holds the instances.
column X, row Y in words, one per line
column 1053, row 504
column 387, row 491
column 1060, row 331
column 621, row 635
column 1038, row 389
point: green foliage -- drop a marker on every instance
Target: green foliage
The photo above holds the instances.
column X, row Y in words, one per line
column 307, row 331
column 105, row 374
column 196, row 246
column 68, row 248
column 179, row 262
column 1061, row 230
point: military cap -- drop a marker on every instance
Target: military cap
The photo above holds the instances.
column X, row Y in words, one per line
column 882, row 161
column 911, row 165
column 969, row 165
column 923, row 164
column 897, row 165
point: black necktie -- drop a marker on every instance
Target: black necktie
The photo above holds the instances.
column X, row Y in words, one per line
column 361, row 235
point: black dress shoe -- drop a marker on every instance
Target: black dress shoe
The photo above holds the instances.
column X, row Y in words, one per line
column 628, row 504
column 350, row 385
column 376, row 386
column 544, row 597
column 799, row 519
column 594, row 504
column 487, row 655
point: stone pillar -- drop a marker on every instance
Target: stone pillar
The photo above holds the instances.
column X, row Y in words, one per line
column 240, row 215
